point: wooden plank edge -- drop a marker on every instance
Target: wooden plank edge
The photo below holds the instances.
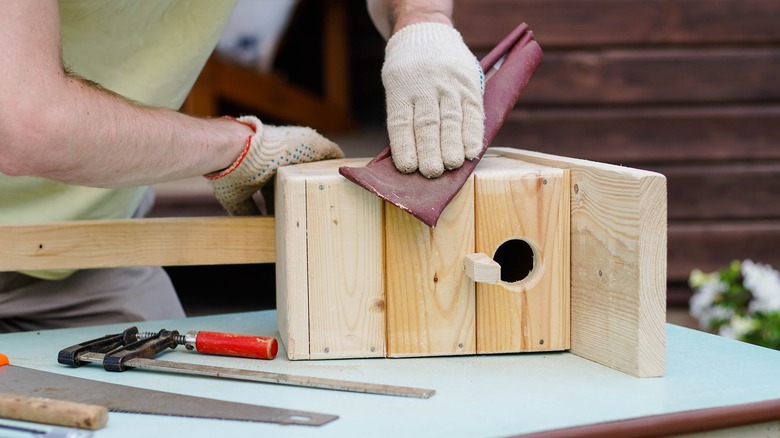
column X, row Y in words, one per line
column 651, row 312
column 292, row 291
column 653, row 232
column 137, row 242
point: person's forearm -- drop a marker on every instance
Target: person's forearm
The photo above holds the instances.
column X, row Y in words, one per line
column 391, row 15
column 58, row 126
column 95, row 138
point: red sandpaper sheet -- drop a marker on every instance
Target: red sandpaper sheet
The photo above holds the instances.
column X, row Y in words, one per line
column 426, row 198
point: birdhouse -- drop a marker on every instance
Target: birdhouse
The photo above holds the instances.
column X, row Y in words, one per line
column 358, row 277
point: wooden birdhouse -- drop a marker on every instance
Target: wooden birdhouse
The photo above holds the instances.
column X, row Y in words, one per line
column 535, row 253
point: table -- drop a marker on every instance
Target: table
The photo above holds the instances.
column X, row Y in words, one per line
column 494, row 395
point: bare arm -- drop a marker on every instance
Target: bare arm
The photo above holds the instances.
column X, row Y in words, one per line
column 60, row 127
column 391, row 15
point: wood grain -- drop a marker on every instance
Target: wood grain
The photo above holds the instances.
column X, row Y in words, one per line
column 529, row 202
column 345, row 260
column 481, row 268
column 618, row 262
column 292, row 284
column 137, row 242
column 48, row 411
column 430, row 300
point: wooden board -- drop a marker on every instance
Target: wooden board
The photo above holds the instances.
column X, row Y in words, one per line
column 656, row 76
column 636, row 135
column 567, row 23
column 722, row 191
column 430, row 300
column 292, row 285
column 520, row 203
column 330, row 296
column 712, row 245
column 273, row 94
column 345, row 261
column 618, row 270
column 137, row 242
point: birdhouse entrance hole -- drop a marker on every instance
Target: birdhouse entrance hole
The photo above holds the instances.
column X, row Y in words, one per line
column 516, row 258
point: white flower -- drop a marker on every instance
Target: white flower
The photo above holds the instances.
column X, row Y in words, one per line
column 738, row 327
column 702, row 305
column 764, row 283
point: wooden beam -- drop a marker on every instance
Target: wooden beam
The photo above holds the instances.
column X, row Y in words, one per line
column 629, row 76
column 137, row 242
column 272, row 94
column 567, row 23
column 711, row 245
column 335, row 54
column 744, row 191
column 292, row 282
column 635, row 135
column 618, row 262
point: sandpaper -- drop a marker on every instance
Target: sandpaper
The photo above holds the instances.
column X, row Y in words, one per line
column 508, row 69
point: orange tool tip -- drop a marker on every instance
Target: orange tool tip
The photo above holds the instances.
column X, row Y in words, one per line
column 3, row 360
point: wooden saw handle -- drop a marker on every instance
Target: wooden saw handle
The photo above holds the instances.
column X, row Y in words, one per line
column 58, row 412
column 45, row 410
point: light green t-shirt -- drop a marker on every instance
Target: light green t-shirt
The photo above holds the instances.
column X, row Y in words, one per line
column 150, row 51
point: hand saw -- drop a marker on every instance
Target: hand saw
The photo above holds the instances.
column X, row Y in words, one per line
column 121, row 398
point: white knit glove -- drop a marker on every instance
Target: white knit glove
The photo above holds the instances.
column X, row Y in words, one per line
column 433, row 85
column 268, row 149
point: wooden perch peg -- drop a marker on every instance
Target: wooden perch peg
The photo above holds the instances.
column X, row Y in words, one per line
column 481, row 268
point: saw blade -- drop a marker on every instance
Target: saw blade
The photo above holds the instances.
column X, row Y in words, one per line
column 268, row 377
column 121, row 398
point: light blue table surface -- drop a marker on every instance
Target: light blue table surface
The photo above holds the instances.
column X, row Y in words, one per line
column 494, row 395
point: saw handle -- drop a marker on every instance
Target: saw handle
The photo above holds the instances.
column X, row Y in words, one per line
column 231, row 344
column 48, row 411
column 57, row 412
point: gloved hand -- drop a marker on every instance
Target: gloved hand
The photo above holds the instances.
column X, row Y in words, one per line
column 268, row 149
column 433, row 86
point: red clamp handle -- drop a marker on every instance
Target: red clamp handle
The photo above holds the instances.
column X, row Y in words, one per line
column 229, row 344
